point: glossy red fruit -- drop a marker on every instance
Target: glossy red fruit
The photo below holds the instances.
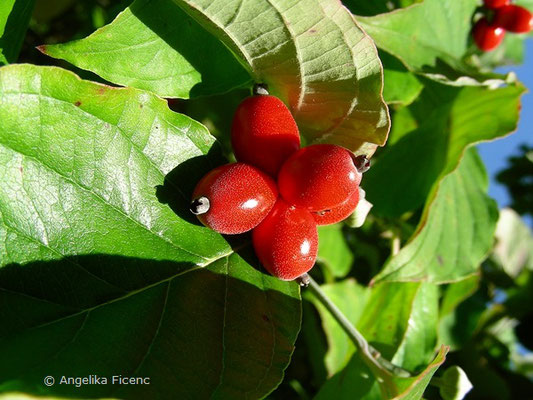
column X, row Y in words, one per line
column 493, row 4
column 487, row 36
column 234, row 198
column 514, row 19
column 339, row 213
column 286, row 242
column 318, row 177
column 264, row 133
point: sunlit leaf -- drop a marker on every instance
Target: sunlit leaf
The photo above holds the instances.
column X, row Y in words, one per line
column 99, row 255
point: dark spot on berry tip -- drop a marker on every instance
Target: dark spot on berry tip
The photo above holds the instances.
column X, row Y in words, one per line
column 265, row 318
column 140, row 105
column 78, row 103
column 200, row 205
column 361, row 163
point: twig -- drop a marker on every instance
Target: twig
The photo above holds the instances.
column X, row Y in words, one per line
column 369, row 354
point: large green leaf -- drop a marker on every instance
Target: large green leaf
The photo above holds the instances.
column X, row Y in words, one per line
column 14, row 19
column 154, row 45
column 312, row 54
column 98, row 275
column 426, row 33
column 448, row 120
column 455, row 233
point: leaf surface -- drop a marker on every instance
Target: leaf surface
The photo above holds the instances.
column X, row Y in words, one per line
column 447, row 120
column 14, row 20
column 154, row 45
column 98, row 253
column 455, row 233
column 312, row 54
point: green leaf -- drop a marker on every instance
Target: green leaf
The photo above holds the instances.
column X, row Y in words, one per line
column 356, row 382
column 14, row 19
column 312, row 54
column 449, row 120
column 399, row 319
column 94, row 262
column 415, row 387
column 333, row 251
column 425, row 33
column 460, row 311
column 431, row 38
column 154, row 45
column 420, row 337
column 455, row 233
column 458, row 292
column 401, row 86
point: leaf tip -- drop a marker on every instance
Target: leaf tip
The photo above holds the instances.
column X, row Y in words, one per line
column 42, row 48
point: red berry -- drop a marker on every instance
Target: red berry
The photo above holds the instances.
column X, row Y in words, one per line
column 286, row 242
column 264, row 133
column 234, row 198
column 493, row 4
column 318, row 177
column 514, row 19
column 339, row 213
column 487, row 36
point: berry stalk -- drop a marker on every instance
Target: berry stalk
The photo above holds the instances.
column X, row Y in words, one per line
column 378, row 364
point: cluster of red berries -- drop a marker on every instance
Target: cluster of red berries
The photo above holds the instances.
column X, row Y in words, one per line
column 278, row 189
column 489, row 31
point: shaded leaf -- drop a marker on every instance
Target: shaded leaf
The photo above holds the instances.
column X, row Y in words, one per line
column 448, row 120
column 401, row 86
column 368, row 8
column 455, row 233
column 333, row 251
column 458, row 292
column 14, row 19
column 350, row 298
column 88, row 246
column 154, row 45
